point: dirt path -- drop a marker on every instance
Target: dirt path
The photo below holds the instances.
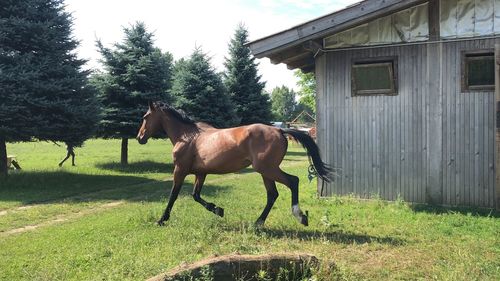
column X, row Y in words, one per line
column 63, row 218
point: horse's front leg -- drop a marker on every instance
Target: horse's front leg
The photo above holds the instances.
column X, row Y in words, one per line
column 178, row 180
column 200, row 179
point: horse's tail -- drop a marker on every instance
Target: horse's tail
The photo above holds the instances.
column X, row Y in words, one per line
column 323, row 170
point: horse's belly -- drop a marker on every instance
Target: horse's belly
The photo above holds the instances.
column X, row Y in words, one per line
column 223, row 168
column 221, row 162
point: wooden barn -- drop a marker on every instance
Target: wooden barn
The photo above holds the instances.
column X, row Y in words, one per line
column 405, row 97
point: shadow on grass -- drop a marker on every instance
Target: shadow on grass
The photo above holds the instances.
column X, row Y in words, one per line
column 332, row 236
column 338, row 236
column 138, row 167
column 30, row 188
column 439, row 210
column 46, row 187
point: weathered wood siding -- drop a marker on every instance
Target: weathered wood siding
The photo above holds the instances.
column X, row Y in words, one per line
column 430, row 143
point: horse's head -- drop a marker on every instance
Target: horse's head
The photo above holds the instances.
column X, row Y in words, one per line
column 150, row 123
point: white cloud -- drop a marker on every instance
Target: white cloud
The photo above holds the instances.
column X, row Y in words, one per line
column 181, row 25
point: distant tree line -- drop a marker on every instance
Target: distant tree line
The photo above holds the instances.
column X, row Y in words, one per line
column 287, row 104
column 46, row 94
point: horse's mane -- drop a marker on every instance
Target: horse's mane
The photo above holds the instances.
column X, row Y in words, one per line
column 180, row 115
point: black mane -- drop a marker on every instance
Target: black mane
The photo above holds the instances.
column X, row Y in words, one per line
column 179, row 114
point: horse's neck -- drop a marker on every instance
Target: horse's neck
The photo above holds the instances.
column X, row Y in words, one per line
column 177, row 130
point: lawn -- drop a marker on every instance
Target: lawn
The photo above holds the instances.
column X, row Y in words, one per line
column 96, row 221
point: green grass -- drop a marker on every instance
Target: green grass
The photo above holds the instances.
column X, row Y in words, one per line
column 367, row 239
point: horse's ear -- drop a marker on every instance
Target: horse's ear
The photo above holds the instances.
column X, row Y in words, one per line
column 151, row 106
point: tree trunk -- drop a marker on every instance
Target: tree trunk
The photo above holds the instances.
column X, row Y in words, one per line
column 3, row 158
column 124, row 159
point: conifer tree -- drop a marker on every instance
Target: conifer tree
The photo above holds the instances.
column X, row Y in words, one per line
column 199, row 91
column 243, row 83
column 43, row 89
column 135, row 72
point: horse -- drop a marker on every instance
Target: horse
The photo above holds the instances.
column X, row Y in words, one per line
column 201, row 149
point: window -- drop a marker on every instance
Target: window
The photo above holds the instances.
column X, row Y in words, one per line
column 478, row 71
column 374, row 77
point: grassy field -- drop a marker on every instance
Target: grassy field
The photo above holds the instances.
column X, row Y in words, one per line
column 96, row 221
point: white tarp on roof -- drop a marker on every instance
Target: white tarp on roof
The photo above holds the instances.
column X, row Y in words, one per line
column 458, row 19
column 410, row 25
column 469, row 18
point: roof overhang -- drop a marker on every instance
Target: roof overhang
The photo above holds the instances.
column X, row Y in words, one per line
column 297, row 46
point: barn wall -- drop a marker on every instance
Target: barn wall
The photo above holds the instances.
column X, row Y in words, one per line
column 430, row 143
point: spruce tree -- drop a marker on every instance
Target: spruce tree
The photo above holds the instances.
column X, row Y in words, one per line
column 80, row 118
column 199, row 91
column 243, row 83
column 43, row 89
column 135, row 72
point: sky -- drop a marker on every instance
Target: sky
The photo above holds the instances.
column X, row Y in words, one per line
column 180, row 26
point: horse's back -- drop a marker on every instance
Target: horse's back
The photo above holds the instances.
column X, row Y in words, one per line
column 266, row 145
column 232, row 149
column 264, row 135
column 253, row 136
column 243, row 134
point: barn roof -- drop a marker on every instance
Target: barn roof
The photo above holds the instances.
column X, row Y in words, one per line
column 297, row 46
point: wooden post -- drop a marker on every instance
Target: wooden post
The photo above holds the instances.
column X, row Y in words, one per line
column 497, row 125
column 321, row 120
column 124, row 154
column 434, row 27
column 434, row 186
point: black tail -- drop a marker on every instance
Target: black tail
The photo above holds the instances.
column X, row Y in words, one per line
column 323, row 170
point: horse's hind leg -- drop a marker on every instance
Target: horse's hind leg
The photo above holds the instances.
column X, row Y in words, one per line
column 200, row 179
column 293, row 183
column 272, row 194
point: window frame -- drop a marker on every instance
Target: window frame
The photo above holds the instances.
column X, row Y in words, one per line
column 464, row 79
column 376, row 61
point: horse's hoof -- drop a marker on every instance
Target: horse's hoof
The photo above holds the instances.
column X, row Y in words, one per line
column 259, row 223
column 163, row 219
column 219, row 211
column 305, row 219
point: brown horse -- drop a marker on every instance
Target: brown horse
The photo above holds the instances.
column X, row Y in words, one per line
column 201, row 149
